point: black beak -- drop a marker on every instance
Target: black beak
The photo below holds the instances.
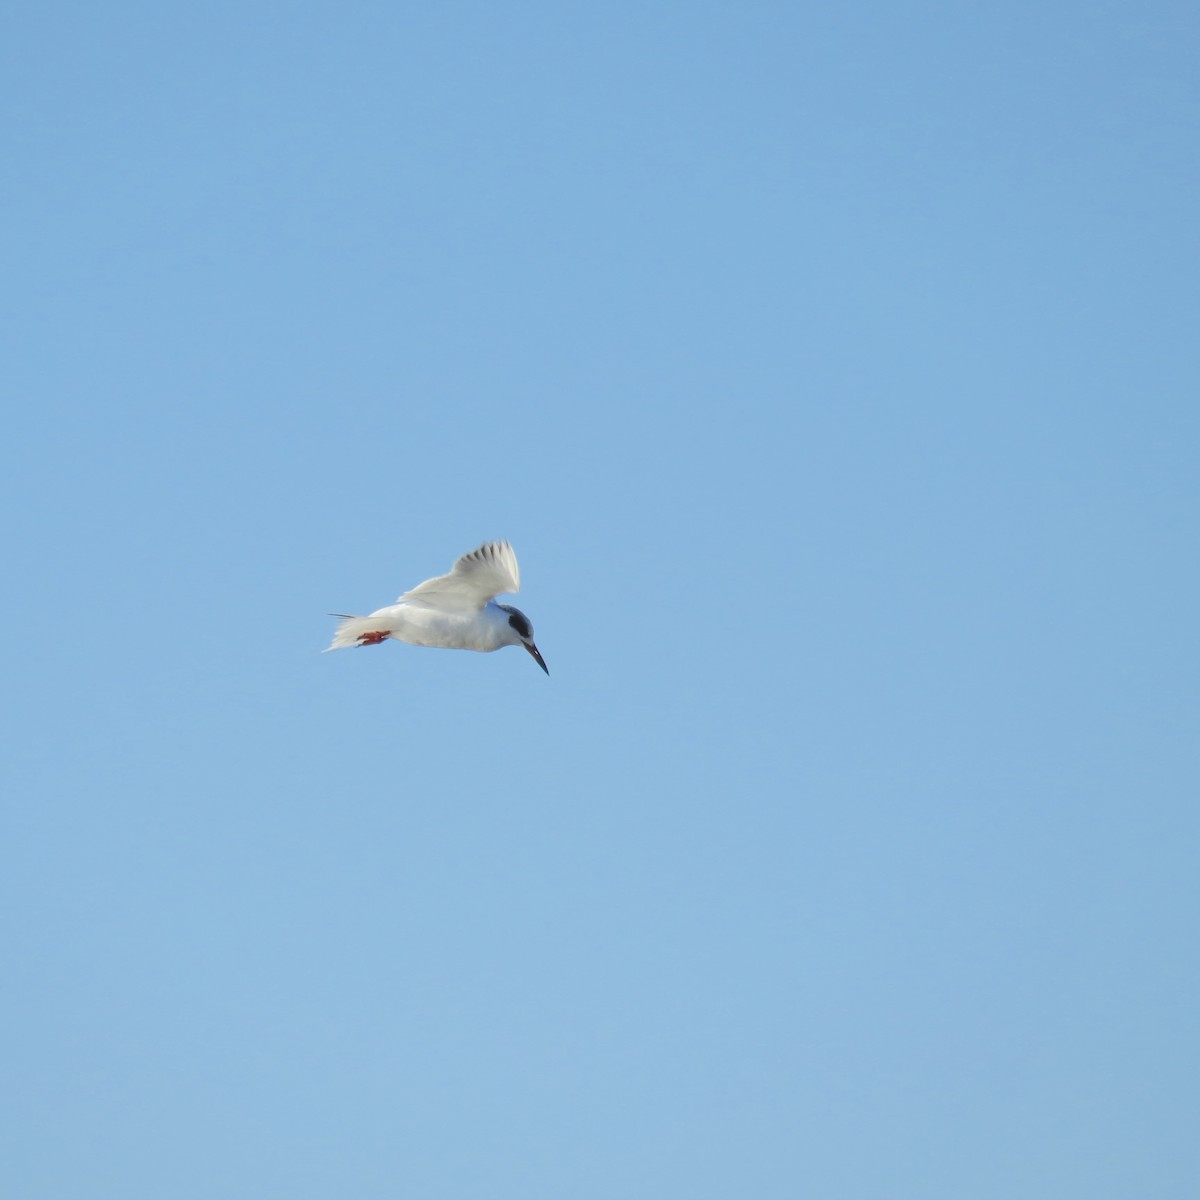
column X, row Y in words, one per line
column 541, row 662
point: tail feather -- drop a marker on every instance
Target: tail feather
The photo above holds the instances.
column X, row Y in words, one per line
column 350, row 629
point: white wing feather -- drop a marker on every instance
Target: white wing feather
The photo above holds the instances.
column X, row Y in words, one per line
column 478, row 576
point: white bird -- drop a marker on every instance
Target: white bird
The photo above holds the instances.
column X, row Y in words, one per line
column 457, row 611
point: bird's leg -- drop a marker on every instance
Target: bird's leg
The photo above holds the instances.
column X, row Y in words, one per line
column 375, row 638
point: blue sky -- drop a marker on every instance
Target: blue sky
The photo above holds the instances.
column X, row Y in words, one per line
column 833, row 370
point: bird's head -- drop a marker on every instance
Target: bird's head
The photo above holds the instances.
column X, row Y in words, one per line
column 522, row 634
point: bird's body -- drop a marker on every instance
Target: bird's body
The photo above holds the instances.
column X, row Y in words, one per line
column 457, row 611
column 419, row 626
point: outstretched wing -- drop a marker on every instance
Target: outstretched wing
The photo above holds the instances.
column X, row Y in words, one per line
column 472, row 582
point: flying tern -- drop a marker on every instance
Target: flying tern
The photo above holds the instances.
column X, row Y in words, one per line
column 457, row 611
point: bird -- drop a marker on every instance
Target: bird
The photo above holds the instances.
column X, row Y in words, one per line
column 457, row 611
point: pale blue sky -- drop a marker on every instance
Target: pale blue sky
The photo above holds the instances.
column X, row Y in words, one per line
column 833, row 370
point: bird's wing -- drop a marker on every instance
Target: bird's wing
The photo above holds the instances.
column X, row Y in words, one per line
column 472, row 582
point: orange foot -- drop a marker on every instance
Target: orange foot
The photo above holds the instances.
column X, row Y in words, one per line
column 372, row 639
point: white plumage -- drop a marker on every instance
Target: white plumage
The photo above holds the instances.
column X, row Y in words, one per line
column 455, row 611
column 478, row 576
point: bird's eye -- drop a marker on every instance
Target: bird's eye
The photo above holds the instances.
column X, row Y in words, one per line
column 518, row 622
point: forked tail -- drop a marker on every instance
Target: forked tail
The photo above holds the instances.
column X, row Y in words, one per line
column 356, row 631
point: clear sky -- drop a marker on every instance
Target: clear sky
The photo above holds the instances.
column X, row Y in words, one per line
column 833, row 369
